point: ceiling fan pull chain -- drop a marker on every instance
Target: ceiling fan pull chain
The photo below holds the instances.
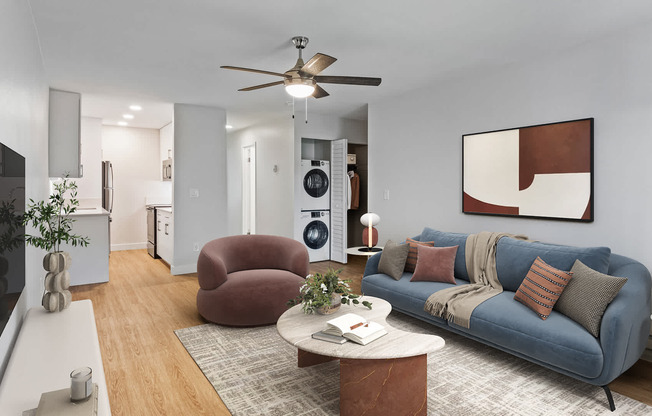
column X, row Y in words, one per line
column 306, row 110
column 293, row 108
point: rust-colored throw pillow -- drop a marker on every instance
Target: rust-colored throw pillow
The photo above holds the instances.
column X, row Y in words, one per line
column 411, row 261
column 435, row 264
column 542, row 287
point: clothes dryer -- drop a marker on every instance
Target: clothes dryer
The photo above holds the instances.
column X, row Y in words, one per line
column 315, row 226
column 315, row 184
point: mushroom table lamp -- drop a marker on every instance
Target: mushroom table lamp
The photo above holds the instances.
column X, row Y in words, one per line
column 369, row 234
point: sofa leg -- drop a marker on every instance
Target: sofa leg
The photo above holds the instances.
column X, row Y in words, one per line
column 612, row 405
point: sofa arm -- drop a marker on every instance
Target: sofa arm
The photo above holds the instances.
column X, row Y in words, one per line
column 625, row 324
column 211, row 270
column 372, row 264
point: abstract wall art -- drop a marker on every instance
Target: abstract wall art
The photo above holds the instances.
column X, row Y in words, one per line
column 542, row 171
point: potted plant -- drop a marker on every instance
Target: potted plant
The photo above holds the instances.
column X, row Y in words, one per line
column 324, row 293
column 52, row 220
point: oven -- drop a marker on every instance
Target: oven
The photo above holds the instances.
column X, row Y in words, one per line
column 151, row 228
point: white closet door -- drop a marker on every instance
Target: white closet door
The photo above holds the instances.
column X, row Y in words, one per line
column 338, row 200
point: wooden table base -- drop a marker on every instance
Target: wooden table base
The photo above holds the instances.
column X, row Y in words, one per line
column 379, row 387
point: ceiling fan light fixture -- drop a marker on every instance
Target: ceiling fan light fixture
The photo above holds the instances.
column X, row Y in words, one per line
column 300, row 88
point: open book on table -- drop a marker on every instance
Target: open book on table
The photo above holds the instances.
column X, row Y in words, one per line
column 355, row 328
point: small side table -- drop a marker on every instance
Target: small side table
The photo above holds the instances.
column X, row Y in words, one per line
column 355, row 251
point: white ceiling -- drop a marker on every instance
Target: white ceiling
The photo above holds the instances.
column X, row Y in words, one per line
column 159, row 52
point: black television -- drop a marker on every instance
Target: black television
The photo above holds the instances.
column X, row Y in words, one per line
column 12, row 231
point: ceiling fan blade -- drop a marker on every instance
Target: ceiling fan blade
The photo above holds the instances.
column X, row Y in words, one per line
column 319, row 92
column 257, row 87
column 332, row 79
column 316, row 64
column 257, row 71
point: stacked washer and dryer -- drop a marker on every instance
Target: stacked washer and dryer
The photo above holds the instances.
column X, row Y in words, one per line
column 314, row 218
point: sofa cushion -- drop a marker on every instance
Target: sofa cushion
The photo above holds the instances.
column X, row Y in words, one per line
column 392, row 259
column 445, row 239
column 558, row 341
column 435, row 264
column 403, row 294
column 587, row 296
column 514, row 258
column 413, row 254
column 542, row 287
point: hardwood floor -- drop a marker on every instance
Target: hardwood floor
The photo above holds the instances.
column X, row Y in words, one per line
column 148, row 372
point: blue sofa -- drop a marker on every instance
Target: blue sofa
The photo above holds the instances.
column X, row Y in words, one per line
column 557, row 343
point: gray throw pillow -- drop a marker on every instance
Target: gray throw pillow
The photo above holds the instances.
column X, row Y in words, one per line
column 587, row 296
column 392, row 261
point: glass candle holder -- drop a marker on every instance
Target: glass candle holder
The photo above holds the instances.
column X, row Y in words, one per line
column 81, row 384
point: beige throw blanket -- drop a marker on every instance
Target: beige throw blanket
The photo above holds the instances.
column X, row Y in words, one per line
column 457, row 303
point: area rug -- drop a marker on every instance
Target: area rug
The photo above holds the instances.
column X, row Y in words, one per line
column 255, row 372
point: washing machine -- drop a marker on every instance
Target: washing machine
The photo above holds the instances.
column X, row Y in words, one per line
column 316, row 185
column 315, row 226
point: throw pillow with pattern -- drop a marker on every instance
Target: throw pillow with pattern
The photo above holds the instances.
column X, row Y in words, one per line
column 413, row 254
column 542, row 287
column 587, row 296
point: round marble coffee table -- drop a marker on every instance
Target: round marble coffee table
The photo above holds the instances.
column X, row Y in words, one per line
column 386, row 376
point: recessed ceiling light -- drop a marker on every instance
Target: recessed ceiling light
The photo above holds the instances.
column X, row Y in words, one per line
column 135, row 107
column 122, row 123
column 128, row 116
column 228, row 126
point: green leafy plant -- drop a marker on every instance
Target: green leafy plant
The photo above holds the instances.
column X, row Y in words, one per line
column 52, row 218
column 317, row 291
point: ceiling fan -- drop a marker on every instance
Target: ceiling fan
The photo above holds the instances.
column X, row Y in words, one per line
column 301, row 80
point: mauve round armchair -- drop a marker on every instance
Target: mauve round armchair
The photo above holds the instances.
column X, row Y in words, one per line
column 246, row 280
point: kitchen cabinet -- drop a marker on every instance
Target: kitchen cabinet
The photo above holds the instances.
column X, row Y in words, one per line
column 90, row 264
column 165, row 234
column 64, row 150
column 166, row 144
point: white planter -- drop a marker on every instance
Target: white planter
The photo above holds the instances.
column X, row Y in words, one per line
column 57, row 297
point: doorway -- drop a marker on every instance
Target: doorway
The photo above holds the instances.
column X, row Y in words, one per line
column 249, row 189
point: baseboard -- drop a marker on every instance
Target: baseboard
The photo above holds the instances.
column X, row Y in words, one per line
column 647, row 355
column 183, row 269
column 128, row 246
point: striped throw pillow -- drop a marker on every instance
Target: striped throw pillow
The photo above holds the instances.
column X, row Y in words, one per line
column 542, row 287
column 411, row 262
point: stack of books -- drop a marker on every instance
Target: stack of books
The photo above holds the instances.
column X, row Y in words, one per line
column 350, row 327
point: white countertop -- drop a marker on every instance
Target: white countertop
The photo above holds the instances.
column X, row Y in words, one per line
column 166, row 209
column 89, row 211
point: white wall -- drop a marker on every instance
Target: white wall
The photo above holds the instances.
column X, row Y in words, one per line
column 89, row 187
column 23, row 127
column 415, row 143
column 199, row 163
column 134, row 153
column 274, row 146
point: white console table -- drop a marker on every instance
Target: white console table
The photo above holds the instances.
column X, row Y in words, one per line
column 48, row 348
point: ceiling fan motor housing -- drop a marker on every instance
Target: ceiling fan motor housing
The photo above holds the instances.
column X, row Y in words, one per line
column 300, row 42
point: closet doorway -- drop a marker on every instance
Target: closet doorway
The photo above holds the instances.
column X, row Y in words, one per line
column 359, row 168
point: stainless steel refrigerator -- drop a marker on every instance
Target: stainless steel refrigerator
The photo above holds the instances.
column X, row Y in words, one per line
column 107, row 191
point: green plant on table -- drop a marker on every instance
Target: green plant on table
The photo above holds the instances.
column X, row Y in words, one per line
column 52, row 218
column 318, row 289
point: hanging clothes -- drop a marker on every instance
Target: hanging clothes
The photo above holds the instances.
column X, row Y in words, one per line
column 355, row 191
column 348, row 189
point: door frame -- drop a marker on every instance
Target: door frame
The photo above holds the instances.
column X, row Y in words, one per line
column 249, row 189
